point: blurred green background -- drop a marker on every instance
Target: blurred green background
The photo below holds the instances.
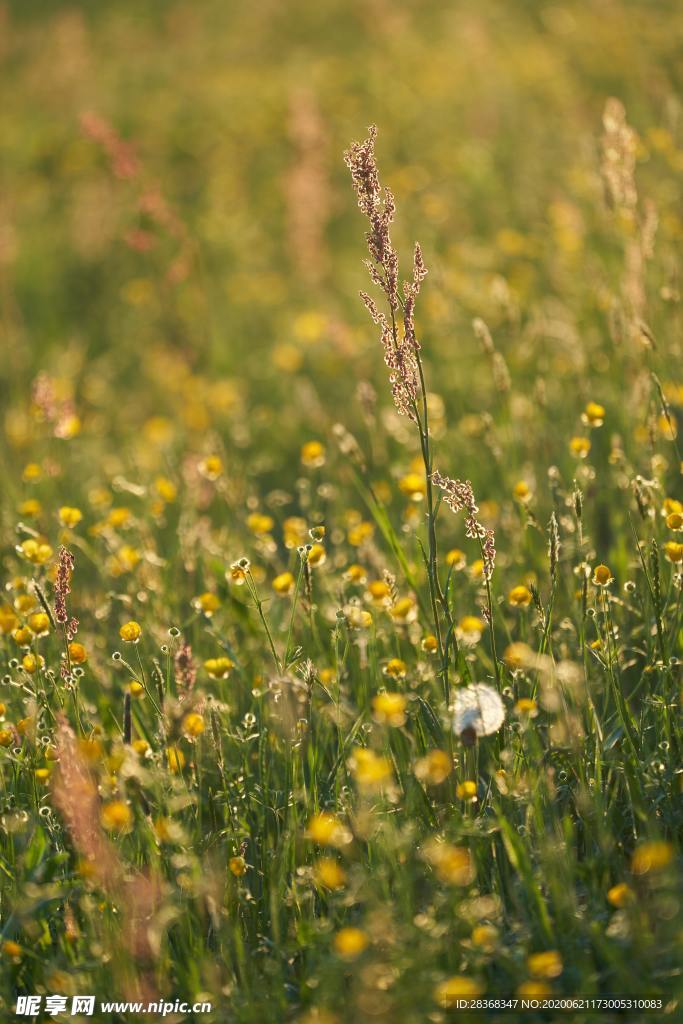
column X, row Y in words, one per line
column 215, row 271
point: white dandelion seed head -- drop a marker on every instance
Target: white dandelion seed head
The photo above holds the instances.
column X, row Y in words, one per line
column 478, row 708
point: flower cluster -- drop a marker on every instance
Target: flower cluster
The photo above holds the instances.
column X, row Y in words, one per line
column 400, row 348
column 459, row 497
column 65, row 568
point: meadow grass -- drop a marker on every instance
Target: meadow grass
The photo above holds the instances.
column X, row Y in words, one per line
column 295, row 719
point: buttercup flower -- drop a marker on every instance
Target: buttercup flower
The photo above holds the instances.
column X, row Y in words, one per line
column 69, row 516
column 602, row 577
column 517, row 655
column 369, row 769
column 117, row 817
column 77, row 653
column 39, row 623
column 218, row 668
column 651, row 856
column 327, row 830
column 448, row 992
column 313, row 455
column 673, row 552
column 329, row 874
column 207, row 603
column 260, row 524
column 396, row 668
column 389, row 708
column 349, row 943
column 238, row 866
column 284, row 584
column 456, row 558
column 193, row 724
column 520, row 597
column 413, row 485
column 38, row 552
column 466, row 791
column 211, row 468
column 131, row 632
column 547, row 964
column 594, row 415
column 434, row 768
column 620, row 895
column 580, row 447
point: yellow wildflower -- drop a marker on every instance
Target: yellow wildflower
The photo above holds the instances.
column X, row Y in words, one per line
column 520, row 597
column 193, row 724
column 284, row 584
column 466, row 791
column 355, row 574
column 131, row 632
column 547, row 964
column 119, row 517
column 580, row 447
column 594, row 415
column 517, row 655
column 211, row 467
column 237, row 866
column 389, row 709
column 471, row 627
column 32, row 662
column 651, row 856
column 456, row 558
column 620, row 895
column 294, row 531
column 69, row 516
column 329, row 874
column 404, row 610
column 448, row 992
column 533, row 990
column 207, row 603
column 360, row 533
column 485, row 936
column 313, row 455
column 166, row 489
column 31, row 472
column 8, row 619
column 525, row 706
column 395, row 668
column 349, row 943
column 413, row 485
column 31, row 508
column 369, row 769
column 452, row 864
column 218, row 668
column 117, row 817
column 434, row 768
column 379, row 592
column 77, row 653
column 259, row 524
column 38, row 552
column 22, row 636
column 429, row 644
column 39, row 623
column 175, row 758
column 316, row 555
column 673, row 551
column 602, row 576
column 327, row 830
